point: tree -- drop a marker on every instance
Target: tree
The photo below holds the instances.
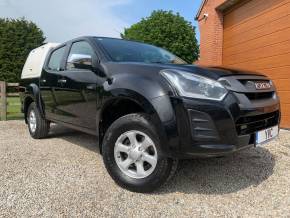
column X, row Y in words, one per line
column 17, row 38
column 167, row 30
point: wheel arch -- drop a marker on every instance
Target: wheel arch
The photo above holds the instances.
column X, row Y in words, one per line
column 26, row 103
column 32, row 95
column 127, row 102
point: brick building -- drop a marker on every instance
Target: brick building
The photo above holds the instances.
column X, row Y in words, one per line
column 249, row 34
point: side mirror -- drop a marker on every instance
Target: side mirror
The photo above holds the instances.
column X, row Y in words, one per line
column 80, row 61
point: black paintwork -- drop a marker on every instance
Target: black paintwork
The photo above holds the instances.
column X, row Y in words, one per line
column 187, row 127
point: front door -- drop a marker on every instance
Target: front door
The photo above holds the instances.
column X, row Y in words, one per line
column 77, row 97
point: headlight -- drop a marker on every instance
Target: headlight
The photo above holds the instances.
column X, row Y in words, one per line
column 194, row 86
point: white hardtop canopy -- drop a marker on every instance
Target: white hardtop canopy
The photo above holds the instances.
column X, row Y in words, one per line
column 35, row 61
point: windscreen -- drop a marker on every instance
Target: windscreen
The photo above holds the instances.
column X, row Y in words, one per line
column 129, row 51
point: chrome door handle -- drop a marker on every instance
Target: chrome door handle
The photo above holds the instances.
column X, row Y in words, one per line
column 91, row 87
column 61, row 81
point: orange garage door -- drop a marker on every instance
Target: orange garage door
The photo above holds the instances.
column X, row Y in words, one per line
column 257, row 37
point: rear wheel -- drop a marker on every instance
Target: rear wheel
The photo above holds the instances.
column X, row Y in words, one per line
column 132, row 154
column 37, row 125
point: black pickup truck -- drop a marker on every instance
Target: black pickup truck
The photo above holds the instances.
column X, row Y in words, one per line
column 147, row 107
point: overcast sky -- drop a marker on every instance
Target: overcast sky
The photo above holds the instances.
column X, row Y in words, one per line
column 62, row 20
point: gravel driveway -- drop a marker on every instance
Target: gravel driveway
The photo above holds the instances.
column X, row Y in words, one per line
column 64, row 176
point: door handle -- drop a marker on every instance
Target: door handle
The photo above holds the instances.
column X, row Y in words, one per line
column 61, row 81
column 91, row 87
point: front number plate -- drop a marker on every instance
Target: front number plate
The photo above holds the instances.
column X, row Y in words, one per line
column 266, row 134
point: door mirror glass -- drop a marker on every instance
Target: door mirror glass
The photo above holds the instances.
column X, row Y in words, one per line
column 80, row 61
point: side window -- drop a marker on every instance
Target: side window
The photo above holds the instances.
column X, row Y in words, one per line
column 56, row 58
column 80, row 56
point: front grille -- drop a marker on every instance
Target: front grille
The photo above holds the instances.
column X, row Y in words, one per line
column 252, row 124
column 259, row 95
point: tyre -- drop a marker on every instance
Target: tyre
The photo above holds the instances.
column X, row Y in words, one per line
column 132, row 154
column 38, row 127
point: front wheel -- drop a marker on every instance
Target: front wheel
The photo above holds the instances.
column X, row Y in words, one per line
column 132, row 154
column 37, row 125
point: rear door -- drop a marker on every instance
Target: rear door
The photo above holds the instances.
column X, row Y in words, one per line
column 49, row 85
column 78, row 97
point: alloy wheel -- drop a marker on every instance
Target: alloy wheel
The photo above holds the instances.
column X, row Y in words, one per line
column 32, row 121
column 135, row 154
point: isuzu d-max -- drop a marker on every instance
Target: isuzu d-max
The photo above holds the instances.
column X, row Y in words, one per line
column 146, row 107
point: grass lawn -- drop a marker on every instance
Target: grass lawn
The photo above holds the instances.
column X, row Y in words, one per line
column 13, row 108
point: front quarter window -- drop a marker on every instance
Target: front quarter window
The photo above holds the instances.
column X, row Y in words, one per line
column 80, row 56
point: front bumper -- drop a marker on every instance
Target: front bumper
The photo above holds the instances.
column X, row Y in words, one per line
column 210, row 128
